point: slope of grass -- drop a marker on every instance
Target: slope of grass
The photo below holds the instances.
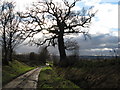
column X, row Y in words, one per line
column 14, row 69
column 49, row 79
column 93, row 74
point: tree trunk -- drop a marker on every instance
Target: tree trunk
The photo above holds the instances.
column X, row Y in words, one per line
column 61, row 49
column 10, row 47
column 4, row 56
column 4, row 49
column 10, row 54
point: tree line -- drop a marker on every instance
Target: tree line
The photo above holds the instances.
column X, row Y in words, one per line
column 41, row 58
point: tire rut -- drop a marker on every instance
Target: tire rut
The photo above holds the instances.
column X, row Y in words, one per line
column 27, row 80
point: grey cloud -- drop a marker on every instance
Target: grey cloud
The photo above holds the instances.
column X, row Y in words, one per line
column 26, row 49
column 96, row 42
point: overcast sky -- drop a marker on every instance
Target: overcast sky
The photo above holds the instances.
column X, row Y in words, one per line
column 103, row 30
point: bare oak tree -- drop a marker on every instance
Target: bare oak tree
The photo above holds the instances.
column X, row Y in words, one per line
column 9, row 30
column 56, row 20
column 72, row 46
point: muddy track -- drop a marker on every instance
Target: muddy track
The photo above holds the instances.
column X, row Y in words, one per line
column 27, row 80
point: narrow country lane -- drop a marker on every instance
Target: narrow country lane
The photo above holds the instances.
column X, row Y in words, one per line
column 27, row 80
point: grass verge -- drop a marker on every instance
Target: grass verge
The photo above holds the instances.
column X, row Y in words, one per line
column 49, row 79
column 93, row 74
column 14, row 69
